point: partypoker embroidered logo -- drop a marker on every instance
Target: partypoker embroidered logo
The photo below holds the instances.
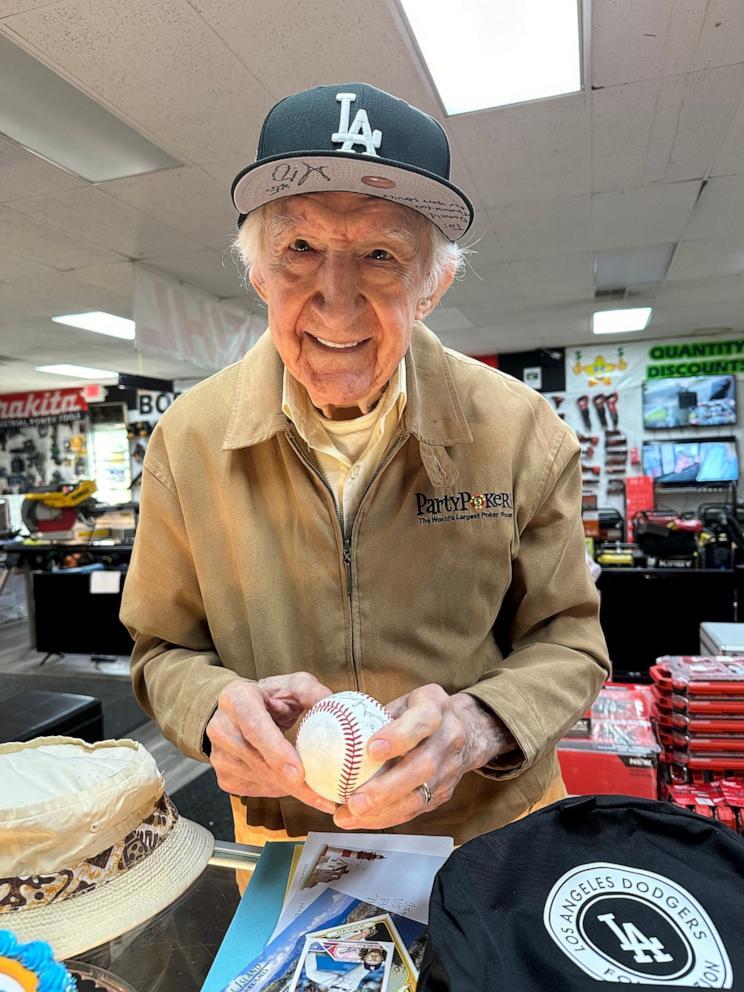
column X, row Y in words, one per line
column 462, row 506
column 622, row 924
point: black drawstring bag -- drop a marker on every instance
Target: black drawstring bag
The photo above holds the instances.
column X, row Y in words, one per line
column 590, row 890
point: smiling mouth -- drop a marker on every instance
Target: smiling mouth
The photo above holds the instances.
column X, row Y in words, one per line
column 338, row 345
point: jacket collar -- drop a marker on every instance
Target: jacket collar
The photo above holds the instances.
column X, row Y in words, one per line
column 433, row 413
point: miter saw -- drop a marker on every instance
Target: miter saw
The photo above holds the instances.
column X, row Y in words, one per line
column 52, row 511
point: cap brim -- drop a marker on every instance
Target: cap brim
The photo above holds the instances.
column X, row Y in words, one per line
column 76, row 925
column 320, row 172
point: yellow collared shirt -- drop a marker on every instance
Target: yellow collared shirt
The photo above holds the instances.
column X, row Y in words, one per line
column 347, row 451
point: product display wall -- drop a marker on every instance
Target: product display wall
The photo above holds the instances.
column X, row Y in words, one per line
column 643, row 408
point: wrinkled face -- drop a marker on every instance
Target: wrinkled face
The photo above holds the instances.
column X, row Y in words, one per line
column 342, row 275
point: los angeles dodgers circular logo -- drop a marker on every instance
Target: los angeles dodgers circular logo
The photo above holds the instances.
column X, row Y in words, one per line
column 623, row 924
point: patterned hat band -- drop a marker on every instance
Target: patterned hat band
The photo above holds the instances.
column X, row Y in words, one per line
column 26, row 892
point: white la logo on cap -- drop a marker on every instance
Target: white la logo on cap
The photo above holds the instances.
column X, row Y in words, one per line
column 360, row 132
column 623, row 924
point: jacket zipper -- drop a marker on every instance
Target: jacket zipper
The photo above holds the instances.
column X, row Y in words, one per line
column 392, row 450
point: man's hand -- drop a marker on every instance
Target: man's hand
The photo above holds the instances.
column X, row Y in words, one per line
column 437, row 739
column 250, row 754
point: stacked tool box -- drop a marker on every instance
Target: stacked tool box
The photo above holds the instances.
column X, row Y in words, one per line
column 698, row 714
column 612, row 749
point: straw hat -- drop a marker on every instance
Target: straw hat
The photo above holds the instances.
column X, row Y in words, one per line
column 90, row 844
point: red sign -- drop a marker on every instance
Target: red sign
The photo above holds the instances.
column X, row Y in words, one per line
column 492, row 360
column 26, row 409
column 639, row 495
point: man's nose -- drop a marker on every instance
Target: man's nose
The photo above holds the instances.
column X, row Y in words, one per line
column 338, row 297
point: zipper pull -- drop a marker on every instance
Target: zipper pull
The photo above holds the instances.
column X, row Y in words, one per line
column 347, row 562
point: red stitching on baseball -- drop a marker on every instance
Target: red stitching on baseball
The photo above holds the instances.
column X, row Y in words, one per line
column 352, row 741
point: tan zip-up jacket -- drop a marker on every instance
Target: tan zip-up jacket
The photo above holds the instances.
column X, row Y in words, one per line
column 465, row 566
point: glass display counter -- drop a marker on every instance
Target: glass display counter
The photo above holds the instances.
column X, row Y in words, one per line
column 173, row 951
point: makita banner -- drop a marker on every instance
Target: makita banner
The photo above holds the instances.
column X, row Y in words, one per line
column 27, row 409
column 184, row 323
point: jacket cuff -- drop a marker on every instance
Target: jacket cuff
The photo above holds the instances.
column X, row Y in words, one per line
column 193, row 737
column 515, row 712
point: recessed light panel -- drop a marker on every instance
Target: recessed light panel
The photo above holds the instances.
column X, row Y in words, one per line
column 48, row 116
column 100, row 322
column 492, row 53
column 621, row 321
column 77, row 371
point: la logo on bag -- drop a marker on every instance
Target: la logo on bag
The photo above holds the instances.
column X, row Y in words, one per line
column 622, row 924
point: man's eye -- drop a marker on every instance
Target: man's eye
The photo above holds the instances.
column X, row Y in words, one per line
column 300, row 245
column 380, row 255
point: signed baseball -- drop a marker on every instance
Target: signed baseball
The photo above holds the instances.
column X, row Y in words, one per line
column 332, row 742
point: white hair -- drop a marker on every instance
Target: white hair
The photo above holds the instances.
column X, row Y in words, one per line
column 443, row 255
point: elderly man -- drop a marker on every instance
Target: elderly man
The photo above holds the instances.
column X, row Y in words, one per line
column 353, row 506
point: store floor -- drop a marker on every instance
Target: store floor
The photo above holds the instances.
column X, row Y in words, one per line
column 191, row 783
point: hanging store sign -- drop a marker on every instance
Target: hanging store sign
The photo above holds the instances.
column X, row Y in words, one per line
column 183, row 323
column 690, row 358
column 27, row 409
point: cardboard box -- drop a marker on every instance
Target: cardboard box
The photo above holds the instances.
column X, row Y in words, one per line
column 620, row 758
column 588, row 773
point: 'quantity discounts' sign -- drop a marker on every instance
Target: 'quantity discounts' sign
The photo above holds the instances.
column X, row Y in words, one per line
column 696, row 358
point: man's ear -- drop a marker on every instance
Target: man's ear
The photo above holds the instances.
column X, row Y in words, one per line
column 428, row 303
column 256, row 280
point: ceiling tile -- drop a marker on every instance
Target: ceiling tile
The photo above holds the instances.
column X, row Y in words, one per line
column 701, row 292
column 92, row 216
column 730, row 158
column 691, row 122
column 58, row 292
column 721, row 39
column 535, row 150
column 184, row 199
column 563, row 277
column 492, row 284
column 294, row 46
column 159, row 65
column 10, row 7
column 16, row 267
column 226, row 170
column 703, row 260
column 30, row 238
column 719, row 213
column 543, row 228
column 447, row 319
column 119, row 278
column 25, row 174
column 649, row 216
column 641, row 39
column 661, row 130
column 622, row 120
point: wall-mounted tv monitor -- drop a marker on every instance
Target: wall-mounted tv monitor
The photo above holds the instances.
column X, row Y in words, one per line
column 697, row 401
column 698, row 462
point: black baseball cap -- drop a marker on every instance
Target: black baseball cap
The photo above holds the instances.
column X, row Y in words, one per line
column 354, row 138
column 591, row 890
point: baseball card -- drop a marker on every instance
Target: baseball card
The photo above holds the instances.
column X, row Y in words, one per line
column 403, row 972
column 343, row 966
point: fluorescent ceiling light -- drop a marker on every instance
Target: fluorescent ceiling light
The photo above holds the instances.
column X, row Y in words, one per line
column 100, row 322
column 491, row 53
column 621, row 321
column 643, row 266
column 77, row 371
column 53, row 119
